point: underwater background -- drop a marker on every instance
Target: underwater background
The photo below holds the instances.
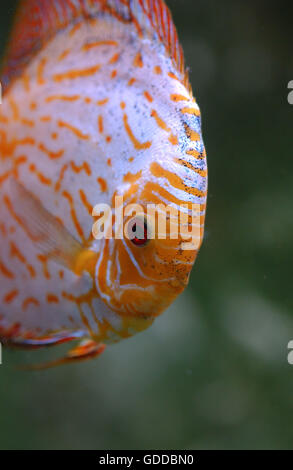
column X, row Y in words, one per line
column 213, row 372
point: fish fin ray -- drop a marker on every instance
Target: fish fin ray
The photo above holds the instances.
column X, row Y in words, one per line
column 45, row 230
column 37, row 22
column 7, row 339
column 87, row 349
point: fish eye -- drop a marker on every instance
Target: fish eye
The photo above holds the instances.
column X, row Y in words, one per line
column 138, row 231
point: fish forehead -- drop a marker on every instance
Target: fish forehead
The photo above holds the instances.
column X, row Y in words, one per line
column 108, row 81
column 115, row 125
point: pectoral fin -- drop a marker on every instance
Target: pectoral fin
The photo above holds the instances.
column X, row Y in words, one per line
column 46, row 231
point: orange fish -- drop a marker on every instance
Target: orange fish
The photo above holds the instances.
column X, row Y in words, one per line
column 97, row 106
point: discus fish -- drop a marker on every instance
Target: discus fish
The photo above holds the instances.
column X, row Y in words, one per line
column 97, row 104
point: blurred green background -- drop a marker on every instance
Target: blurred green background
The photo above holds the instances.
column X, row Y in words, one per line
column 212, row 372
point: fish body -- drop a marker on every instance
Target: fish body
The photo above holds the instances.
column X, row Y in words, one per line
column 96, row 105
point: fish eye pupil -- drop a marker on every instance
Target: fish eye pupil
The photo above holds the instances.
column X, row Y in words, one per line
column 142, row 238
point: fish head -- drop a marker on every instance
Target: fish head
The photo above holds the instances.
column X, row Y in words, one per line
column 146, row 264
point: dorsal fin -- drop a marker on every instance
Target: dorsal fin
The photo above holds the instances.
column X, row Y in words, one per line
column 39, row 20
